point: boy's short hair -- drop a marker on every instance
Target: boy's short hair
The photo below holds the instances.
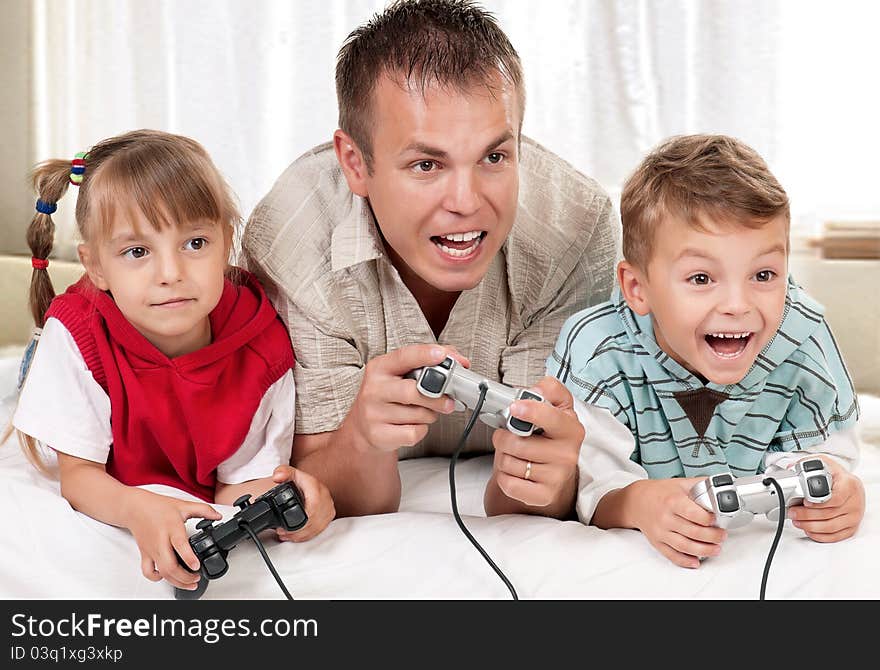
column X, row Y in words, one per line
column 447, row 42
column 694, row 176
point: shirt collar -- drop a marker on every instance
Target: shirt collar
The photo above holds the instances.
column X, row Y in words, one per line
column 355, row 239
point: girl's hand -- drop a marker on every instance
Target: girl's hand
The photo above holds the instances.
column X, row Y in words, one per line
column 317, row 501
column 674, row 524
column 156, row 522
column 838, row 517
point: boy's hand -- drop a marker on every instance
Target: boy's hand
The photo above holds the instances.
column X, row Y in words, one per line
column 674, row 524
column 317, row 501
column 156, row 522
column 838, row 517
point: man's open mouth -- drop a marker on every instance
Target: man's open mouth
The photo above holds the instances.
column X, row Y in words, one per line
column 459, row 245
column 728, row 345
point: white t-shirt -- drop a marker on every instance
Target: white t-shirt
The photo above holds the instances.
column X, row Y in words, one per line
column 62, row 406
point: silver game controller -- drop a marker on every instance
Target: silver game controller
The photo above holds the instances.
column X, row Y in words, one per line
column 463, row 386
column 735, row 501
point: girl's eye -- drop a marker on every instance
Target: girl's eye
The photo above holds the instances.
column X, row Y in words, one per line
column 765, row 275
column 699, row 279
column 135, row 252
column 494, row 158
column 196, row 243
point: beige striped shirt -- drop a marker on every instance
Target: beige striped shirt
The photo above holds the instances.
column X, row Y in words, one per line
column 316, row 247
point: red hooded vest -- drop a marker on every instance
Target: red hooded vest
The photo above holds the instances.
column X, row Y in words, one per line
column 174, row 420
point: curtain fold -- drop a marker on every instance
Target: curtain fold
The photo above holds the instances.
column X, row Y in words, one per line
column 606, row 80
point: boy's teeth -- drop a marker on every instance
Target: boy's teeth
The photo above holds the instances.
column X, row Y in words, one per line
column 461, row 237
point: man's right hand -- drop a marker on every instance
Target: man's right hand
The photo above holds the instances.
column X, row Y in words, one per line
column 389, row 412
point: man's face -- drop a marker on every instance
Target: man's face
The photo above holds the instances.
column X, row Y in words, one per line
column 444, row 179
column 716, row 296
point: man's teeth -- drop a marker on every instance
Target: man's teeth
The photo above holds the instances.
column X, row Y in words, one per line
column 730, row 335
column 462, row 237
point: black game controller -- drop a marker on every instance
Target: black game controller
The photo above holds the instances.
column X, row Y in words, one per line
column 280, row 507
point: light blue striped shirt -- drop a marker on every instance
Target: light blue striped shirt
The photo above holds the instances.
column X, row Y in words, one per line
column 796, row 393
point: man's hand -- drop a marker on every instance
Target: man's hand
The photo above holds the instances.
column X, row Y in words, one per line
column 838, row 517
column 538, row 472
column 389, row 412
column 674, row 524
column 156, row 522
column 316, row 499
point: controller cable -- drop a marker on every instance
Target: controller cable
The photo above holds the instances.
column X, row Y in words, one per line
column 246, row 528
column 464, row 436
column 767, row 482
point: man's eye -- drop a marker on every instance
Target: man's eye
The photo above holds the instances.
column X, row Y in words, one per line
column 196, row 243
column 425, row 166
column 494, row 158
column 135, row 252
column 765, row 275
column 699, row 279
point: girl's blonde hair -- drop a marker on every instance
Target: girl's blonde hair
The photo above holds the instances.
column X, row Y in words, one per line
column 167, row 178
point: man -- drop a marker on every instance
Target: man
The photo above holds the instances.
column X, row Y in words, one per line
column 404, row 240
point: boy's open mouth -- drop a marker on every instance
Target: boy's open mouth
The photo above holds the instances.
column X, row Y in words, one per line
column 728, row 345
column 459, row 245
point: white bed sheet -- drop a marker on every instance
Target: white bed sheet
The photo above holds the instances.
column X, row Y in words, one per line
column 50, row 551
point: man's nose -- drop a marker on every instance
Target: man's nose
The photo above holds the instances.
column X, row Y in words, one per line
column 462, row 193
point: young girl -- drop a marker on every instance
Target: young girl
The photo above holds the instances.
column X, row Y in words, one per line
column 162, row 365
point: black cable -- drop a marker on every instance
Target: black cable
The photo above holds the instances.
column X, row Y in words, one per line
column 779, row 525
column 262, row 549
column 464, row 436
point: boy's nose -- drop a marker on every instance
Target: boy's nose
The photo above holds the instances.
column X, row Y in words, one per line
column 735, row 302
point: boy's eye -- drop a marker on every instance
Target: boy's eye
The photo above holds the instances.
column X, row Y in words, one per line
column 494, row 158
column 699, row 279
column 135, row 252
column 765, row 275
column 196, row 243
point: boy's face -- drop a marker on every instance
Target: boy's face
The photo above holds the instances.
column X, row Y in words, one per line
column 716, row 296
column 444, row 180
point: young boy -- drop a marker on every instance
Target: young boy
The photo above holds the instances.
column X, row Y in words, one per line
column 710, row 356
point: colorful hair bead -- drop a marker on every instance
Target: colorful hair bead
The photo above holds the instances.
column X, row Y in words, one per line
column 46, row 207
column 77, row 168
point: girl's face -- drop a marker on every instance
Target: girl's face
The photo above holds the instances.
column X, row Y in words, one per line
column 165, row 282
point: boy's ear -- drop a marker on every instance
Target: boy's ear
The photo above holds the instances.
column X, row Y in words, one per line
column 632, row 285
column 351, row 159
column 90, row 262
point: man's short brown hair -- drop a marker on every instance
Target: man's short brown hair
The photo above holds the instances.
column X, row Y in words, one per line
column 693, row 178
column 423, row 42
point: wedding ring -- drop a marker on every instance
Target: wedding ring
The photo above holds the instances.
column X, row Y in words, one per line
column 528, row 470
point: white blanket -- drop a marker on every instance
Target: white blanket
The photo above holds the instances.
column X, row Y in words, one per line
column 50, row 551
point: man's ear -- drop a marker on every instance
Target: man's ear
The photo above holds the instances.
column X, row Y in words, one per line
column 632, row 284
column 90, row 262
column 351, row 159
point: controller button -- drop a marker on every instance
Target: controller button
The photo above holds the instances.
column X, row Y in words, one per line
column 243, row 501
column 519, row 425
column 818, row 487
column 528, row 395
column 205, row 524
column 727, row 501
column 722, row 480
column 214, row 565
column 812, row 464
column 432, row 381
column 447, row 363
column 202, row 544
column 294, row 517
column 283, row 495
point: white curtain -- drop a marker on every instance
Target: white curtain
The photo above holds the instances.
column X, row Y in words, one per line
column 605, row 82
